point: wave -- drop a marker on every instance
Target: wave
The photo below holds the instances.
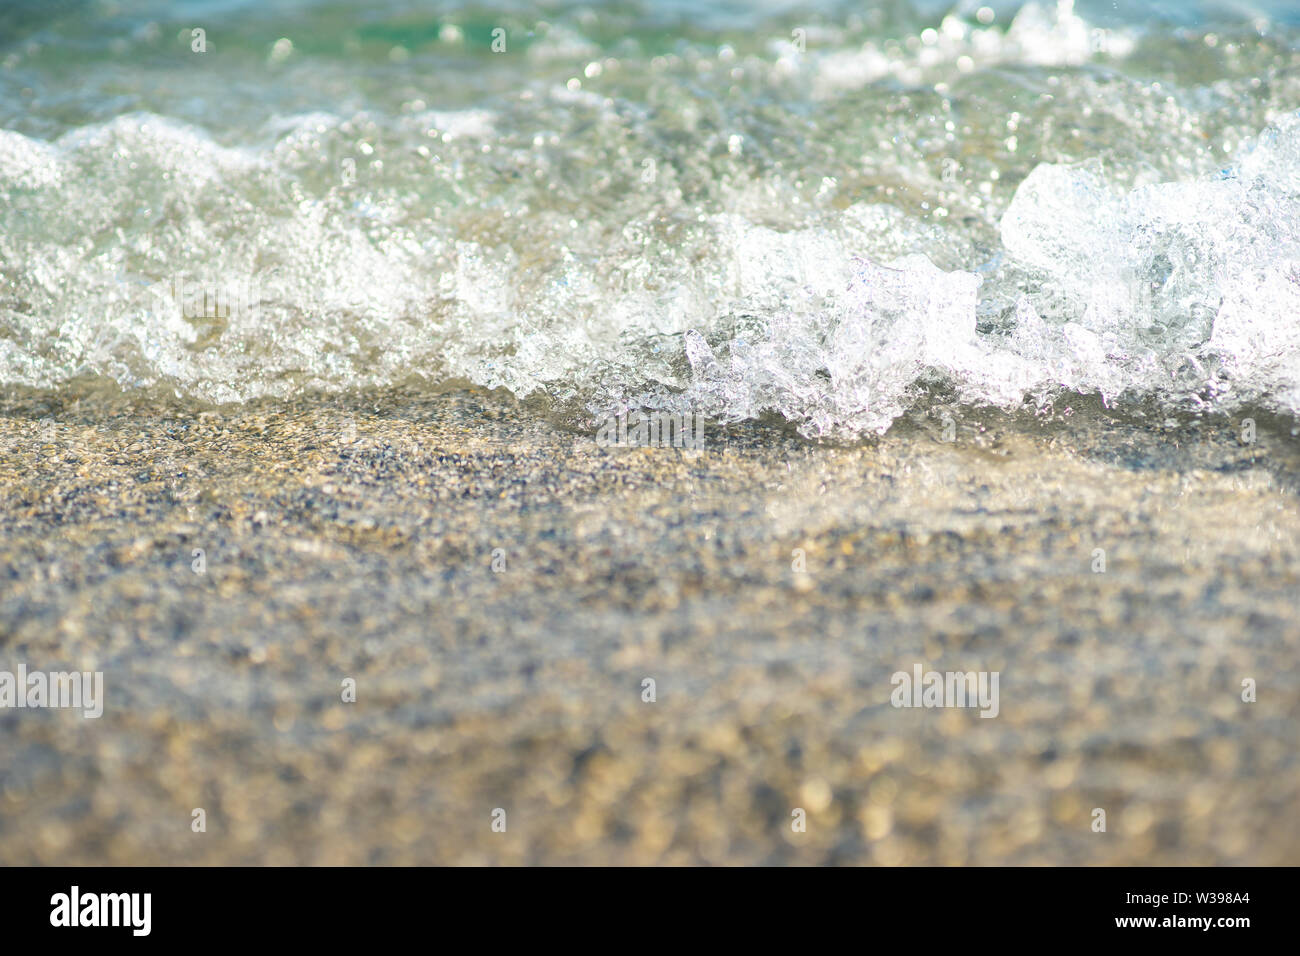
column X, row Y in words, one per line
column 830, row 258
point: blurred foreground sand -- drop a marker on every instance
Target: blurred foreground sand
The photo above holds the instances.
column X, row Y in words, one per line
column 354, row 539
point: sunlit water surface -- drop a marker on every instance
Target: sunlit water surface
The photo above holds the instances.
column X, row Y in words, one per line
column 832, row 212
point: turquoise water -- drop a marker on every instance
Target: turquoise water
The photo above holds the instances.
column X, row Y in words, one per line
column 826, row 211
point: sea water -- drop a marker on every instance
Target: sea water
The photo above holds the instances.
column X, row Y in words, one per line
column 829, row 212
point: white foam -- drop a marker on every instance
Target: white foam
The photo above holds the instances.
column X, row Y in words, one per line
column 460, row 266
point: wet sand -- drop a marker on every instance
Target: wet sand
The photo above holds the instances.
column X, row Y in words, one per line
column 355, row 538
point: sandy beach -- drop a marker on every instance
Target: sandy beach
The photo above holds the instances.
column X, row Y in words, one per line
column 499, row 588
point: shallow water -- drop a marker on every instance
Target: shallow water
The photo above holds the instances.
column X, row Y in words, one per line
column 809, row 210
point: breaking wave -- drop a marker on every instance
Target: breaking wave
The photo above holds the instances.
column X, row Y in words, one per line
column 822, row 226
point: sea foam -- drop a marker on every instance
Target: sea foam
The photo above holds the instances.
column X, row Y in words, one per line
column 655, row 233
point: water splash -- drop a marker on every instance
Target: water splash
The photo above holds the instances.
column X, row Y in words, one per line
column 727, row 224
